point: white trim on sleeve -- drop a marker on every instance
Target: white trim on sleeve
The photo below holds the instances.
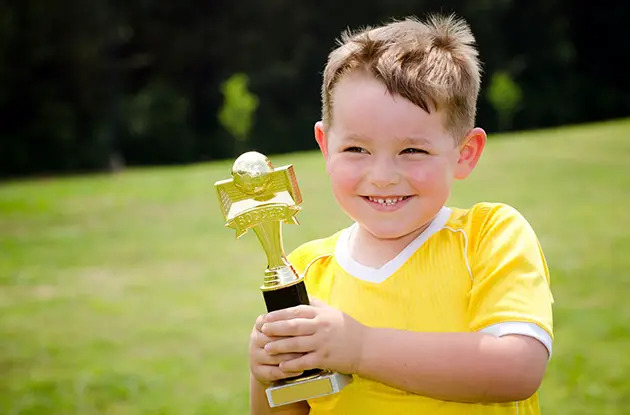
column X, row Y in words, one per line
column 522, row 328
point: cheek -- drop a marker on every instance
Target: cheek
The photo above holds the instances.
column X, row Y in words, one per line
column 430, row 176
column 343, row 175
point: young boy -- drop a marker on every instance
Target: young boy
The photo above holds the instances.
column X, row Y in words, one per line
column 432, row 310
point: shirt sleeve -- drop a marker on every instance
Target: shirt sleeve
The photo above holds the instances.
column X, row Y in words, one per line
column 510, row 277
column 523, row 329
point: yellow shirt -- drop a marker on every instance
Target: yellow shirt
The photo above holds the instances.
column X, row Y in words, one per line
column 479, row 269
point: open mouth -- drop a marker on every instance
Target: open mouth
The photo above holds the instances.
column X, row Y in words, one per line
column 386, row 201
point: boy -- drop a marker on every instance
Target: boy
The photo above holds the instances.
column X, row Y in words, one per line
column 432, row 310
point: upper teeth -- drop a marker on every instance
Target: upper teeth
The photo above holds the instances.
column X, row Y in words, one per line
column 386, row 201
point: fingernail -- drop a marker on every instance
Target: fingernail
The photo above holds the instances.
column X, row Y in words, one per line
column 263, row 328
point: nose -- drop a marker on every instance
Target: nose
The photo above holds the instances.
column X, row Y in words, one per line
column 384, row 173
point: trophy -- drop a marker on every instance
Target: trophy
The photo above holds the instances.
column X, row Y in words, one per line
column 262, row 197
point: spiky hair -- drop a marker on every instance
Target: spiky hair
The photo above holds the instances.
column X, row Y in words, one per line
column 432, row 63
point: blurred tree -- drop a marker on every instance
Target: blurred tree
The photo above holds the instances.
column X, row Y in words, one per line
column 237, row 113
column 505, row 96
column 156, row 126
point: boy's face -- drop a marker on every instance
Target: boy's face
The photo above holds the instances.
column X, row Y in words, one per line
column 391, row 164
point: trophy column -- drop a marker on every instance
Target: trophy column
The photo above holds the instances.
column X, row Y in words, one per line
column 282, row 287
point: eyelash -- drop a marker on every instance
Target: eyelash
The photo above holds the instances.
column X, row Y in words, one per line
column 355, row 149
column 414, row 151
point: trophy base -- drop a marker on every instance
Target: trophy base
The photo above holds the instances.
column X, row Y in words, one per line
column 300, row 389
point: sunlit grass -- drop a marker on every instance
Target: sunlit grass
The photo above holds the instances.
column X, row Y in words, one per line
column 124, row 294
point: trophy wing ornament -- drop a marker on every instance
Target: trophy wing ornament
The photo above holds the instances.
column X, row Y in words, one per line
column 284, row 180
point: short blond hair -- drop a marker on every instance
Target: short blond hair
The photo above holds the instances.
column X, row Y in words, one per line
column 434, row 64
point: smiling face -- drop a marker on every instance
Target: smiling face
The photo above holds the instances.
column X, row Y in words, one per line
column 391, row 164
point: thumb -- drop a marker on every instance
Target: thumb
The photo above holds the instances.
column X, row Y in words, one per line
column 316, row 302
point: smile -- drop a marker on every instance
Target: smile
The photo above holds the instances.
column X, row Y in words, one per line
column 386, row 201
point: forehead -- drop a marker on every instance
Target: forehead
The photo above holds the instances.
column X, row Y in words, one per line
column 362, row 106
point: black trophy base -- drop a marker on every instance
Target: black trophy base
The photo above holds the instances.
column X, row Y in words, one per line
column 285, row 297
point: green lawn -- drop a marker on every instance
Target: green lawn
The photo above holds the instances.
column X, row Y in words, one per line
column 124, row 294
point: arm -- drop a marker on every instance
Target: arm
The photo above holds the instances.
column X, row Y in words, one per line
column 465, row 367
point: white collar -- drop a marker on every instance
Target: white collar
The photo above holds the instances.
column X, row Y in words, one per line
column 377, row 275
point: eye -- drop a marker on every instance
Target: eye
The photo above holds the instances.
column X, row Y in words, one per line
column 355, row 149
column 414, row 151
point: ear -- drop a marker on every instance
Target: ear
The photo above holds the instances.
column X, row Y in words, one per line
column 320, row 137
column 470, row 152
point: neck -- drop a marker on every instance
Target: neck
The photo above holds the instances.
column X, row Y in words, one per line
column 374, row 252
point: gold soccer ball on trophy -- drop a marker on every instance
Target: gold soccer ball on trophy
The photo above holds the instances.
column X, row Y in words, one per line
column 251, row 173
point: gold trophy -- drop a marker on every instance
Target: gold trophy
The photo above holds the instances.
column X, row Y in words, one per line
column 261, row 197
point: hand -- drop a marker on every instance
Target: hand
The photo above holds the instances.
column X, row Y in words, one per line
column 263, row 365
column 325, row 338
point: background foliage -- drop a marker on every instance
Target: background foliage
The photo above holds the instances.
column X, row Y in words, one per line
column 98, row 84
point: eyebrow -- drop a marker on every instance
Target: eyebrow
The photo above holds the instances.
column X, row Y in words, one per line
column 356, row 138
column 420, row 141
column 405, row 140
column 412, row 141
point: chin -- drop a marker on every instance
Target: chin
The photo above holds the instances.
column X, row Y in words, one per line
column 395, row 232
column 388, row 234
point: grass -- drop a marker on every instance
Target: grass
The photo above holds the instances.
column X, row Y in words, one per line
column 124, row 294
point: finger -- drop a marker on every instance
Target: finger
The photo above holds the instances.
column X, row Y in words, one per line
column 316, row 302
column 269, row 373
column 304, row 362
column 260, row 339
column 259, row 322
column 294, row 327
column 265, row 358
column 301, row 311
column 299, row 344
